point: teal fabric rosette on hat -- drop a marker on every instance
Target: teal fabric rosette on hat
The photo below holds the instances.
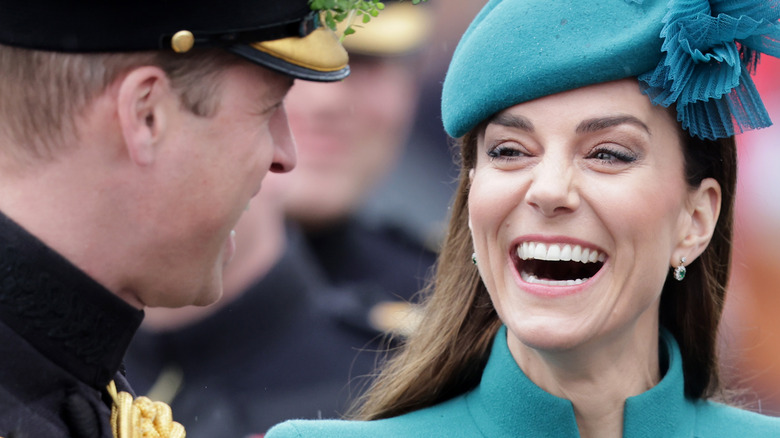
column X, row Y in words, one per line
column 710, row 49
column 694, row 54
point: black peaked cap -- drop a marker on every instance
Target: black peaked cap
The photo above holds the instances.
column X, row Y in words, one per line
column 241, row 26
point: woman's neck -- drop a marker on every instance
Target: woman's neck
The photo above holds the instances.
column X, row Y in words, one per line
column 596, row 377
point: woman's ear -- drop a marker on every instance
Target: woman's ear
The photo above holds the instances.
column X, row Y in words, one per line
column 141, row 109
column 704, row 210
column 471, row 179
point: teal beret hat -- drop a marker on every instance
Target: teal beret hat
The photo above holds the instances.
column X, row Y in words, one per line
column 695, row 54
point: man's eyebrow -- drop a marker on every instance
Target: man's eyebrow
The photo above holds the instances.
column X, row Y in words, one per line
column 512, row 121
column 597, row 124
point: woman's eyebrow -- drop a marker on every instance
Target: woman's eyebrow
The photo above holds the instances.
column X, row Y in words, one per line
column 512, row 121
column 597, row 124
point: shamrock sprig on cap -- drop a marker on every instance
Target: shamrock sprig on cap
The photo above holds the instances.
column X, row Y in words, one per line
column 337, row 11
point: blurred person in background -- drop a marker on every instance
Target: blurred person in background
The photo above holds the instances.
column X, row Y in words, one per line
column 426, row 165
column 285, row 341
column 351, row 135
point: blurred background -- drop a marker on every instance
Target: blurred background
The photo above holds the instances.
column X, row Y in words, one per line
column 751, row 326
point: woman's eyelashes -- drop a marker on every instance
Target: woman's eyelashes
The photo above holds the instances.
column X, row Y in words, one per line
column 604, row 154
column 612, row 155
column 504, row 151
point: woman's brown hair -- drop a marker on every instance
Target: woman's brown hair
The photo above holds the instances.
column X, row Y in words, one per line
column 446, row 354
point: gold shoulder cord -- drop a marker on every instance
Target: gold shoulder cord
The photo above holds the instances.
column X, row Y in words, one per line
column 141, row 418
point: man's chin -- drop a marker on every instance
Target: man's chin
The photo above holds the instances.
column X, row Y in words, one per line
column 211, row 290
column 210, row 295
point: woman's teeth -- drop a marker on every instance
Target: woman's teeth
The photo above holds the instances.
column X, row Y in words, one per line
column 558, row 253
column 530, row 278
column 553, row 264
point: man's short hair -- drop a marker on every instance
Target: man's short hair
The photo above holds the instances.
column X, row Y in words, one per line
column 44, row 93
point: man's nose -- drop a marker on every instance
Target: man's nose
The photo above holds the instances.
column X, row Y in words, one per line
column 285, row 155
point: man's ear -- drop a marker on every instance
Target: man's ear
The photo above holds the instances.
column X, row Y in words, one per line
column 141, row 105
column 704, row 210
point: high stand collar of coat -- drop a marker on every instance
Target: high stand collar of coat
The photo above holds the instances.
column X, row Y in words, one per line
column 662, row 409
column 63, row 313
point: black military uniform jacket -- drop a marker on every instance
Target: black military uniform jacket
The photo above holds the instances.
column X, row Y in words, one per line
column 62, row 339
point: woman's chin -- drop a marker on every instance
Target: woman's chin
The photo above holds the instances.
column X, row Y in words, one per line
column 550, row 336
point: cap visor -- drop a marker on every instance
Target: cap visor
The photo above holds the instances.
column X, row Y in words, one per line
column 318, row 56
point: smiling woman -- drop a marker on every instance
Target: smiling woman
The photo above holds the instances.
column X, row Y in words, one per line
column 609, row 188
column 584, row 197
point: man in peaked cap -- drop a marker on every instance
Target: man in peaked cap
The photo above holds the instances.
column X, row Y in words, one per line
column 132, row 137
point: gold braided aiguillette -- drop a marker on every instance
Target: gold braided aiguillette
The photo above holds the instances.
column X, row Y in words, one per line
column 141, row 418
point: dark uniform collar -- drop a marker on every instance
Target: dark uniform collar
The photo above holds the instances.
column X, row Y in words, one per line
column 62, row 312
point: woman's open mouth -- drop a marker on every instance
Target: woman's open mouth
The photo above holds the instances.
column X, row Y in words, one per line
column 557, row 264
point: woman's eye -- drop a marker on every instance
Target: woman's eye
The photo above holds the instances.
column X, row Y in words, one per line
column 504, row 151
column 612, row 155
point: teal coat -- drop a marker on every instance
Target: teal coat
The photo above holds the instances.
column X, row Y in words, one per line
column 507, row 404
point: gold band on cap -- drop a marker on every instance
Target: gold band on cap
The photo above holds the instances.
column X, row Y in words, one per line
column 319, row 51
column 182, row 41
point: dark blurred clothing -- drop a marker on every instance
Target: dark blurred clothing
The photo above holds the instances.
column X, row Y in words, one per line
column 385, row 259
column 290, row 347
column 62, row 338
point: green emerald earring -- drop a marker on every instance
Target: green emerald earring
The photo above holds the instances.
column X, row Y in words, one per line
column 679, row 272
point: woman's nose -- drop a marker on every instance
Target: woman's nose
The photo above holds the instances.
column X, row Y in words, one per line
column 551, row 191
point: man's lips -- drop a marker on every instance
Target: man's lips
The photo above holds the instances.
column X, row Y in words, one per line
column 230, row 248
